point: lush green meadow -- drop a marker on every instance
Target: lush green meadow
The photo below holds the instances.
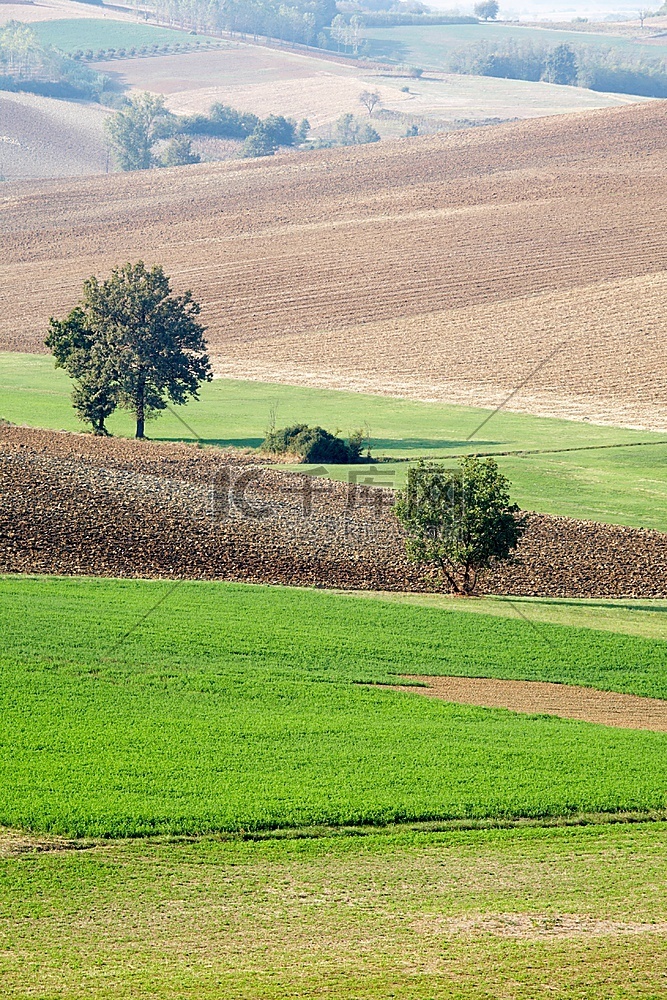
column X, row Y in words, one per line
column 624, row 485
column 430, row 46
column 68, row 35
column 523, row 914
column 228, row 707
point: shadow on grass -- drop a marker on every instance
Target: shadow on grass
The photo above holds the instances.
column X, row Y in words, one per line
column 431, row 444
column 582, row 603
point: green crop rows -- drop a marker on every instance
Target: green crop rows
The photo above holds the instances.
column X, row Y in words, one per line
column 234, row 707
column 68, row 35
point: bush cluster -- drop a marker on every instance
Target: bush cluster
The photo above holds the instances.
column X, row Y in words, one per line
column 314, row 444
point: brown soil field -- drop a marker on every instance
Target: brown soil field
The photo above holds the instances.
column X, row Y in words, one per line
column 445, row 267
column 608, row 708
column 41, row 137
column 75, row 504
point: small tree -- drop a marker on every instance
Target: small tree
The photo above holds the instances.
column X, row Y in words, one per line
column 133, row 343
column 459, row 520
column 370, row 100
column 178, row 153
column 487, row 10
column 134, row 131
column 87, row 361
column 642, row 14
column 561, row 66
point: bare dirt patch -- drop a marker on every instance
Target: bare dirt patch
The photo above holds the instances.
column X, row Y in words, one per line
column 55, row 10
column 534, row 926
column 608, row 708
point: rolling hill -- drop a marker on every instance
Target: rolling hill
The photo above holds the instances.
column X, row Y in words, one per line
column 447, row 267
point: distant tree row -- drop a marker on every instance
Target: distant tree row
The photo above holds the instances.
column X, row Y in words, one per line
column 294, row 21
column 144, row 134
column 600, row 69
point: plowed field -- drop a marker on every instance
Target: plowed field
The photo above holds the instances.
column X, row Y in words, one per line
column 443, row 267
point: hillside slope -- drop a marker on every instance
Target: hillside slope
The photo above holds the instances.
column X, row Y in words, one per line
column 41, row 137
column 446, row 267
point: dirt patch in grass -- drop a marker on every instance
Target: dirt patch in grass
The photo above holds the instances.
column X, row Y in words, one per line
column 609, row 708
column 534, row 926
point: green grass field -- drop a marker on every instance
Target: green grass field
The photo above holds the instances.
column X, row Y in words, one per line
column 625, row 485
column 343, row 917
column 232, row 707
column 104, row 33
column 430, row 45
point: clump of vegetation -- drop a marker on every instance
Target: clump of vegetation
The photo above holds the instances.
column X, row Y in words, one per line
column 145, row 134
column 314, row 444
column 459, row 521
column 26, row 64
column 117, row 359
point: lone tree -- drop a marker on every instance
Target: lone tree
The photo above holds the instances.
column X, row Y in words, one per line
column 487, row 10
column 134, row 131
column 131, row 343
column 459, row 520
column 370, row 100
column 561, row 66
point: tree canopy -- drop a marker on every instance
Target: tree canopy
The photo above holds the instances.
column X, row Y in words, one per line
column 131, row 343
column 460, row 520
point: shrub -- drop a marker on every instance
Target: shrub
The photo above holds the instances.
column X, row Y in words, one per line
column 314, row 444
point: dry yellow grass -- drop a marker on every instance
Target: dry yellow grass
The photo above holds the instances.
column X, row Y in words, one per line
column 445, row 267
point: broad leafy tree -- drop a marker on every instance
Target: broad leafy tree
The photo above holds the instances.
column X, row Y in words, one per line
column 487, row 10
column 134, row 131
column 131, row 343
column 459, row 521
column 561, row 66
column 88, row 362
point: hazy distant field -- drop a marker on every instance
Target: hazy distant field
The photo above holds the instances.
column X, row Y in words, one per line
column 44, row 137
column 105, row 33
column 427, row 46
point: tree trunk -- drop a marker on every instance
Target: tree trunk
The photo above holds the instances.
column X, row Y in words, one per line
column 140, row 426
column 141, row 410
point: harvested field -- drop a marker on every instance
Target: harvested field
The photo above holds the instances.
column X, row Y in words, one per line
column 274, row 81
column 444, row 267
column 31, row 12
column 73, row 504
column 42, row 137
column 608, row 708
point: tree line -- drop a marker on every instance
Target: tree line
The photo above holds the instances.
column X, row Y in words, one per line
column 593, row 67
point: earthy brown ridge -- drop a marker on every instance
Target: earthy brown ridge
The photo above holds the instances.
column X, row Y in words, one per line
column 443, row 267
column 74, row 504
column 627, row 711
